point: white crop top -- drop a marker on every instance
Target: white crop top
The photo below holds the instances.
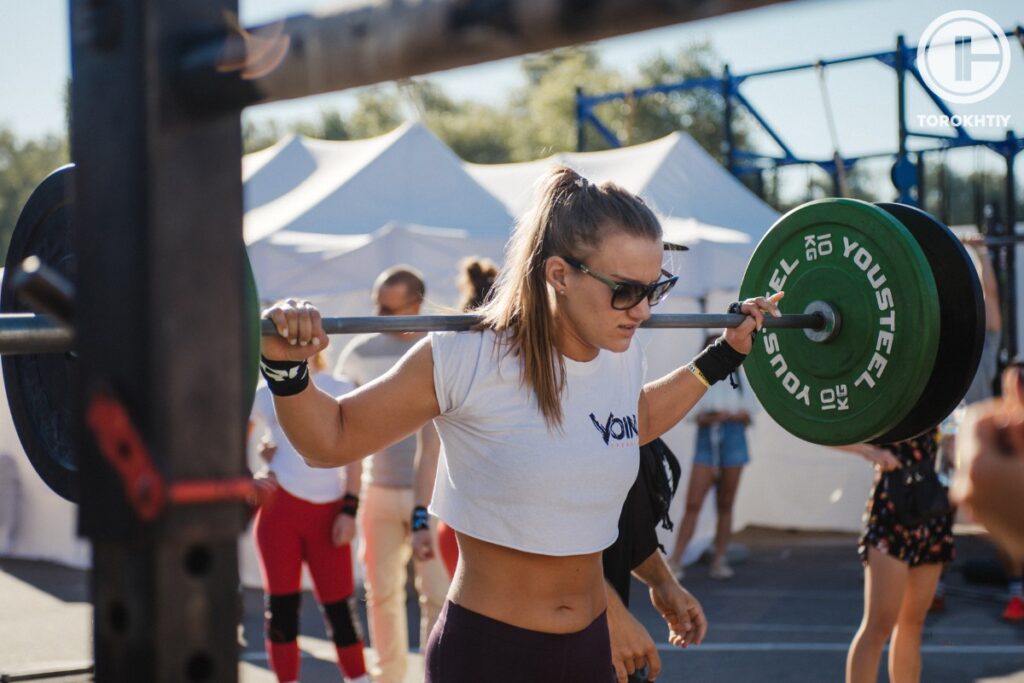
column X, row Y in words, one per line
column 504, row 477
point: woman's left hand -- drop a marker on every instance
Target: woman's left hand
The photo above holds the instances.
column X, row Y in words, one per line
column 422, row 545
column 741, row 338
column 343, row 530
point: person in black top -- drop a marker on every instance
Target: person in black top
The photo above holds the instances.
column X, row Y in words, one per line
column 637, row 552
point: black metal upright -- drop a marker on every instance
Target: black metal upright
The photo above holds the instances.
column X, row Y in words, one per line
column 581, row 123
column 1011, row 253
column 922, row 182
column 159, row 319
column 902, row 168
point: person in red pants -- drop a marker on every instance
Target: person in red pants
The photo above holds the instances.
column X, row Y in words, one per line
column 308, row 518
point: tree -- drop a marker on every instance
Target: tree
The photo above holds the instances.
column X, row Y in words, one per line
column 23, row 165
column 700, row 112
column 378, row 110
column 544, row 110
column 257, row 135
column 960, row 199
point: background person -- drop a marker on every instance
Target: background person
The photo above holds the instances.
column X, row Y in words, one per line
column 387, row 491
column 308, row 517
column 902, row 565
column 982, row 388
column 720, row 455
column 989, row 480
column 637, row 552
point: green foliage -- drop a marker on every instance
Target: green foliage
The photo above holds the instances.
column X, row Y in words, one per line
column 544, row 110
column 23, row 165
column 700, row 112
column 960, row 199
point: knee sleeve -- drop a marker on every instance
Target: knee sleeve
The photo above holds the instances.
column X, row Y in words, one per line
column 282, row 617
column 341, row 625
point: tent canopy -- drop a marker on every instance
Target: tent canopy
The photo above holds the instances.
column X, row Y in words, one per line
column 355, row 187
column 331, row 268
column 700, row 203
column 673, row 174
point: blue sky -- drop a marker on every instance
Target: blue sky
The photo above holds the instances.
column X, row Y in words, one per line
column 35, row 43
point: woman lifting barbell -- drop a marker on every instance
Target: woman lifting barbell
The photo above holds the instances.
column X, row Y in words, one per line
column 542, row 413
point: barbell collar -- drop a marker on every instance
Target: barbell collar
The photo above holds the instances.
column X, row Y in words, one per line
column 45, row 290
column 32, row 333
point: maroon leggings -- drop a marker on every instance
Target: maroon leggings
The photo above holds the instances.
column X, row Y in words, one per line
column 466, row 647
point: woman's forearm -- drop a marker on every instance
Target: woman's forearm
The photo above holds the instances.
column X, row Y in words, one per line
column 665, row 401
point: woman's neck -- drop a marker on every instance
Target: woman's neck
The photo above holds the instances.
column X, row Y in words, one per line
column 569, row 343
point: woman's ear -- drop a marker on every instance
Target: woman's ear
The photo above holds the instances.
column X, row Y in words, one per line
column 556, row 272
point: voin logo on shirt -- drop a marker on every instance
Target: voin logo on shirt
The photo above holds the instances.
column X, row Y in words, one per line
column 617, row 428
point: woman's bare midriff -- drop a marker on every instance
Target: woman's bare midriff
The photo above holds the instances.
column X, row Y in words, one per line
column 536, row 592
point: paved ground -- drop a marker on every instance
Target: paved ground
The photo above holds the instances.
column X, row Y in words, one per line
column 786, row 618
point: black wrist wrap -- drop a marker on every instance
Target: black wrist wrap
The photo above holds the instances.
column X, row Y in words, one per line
column 284, row 377
column 350, row 504
column 718, row 361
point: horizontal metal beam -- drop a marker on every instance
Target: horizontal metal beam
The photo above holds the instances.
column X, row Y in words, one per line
column 310, row 54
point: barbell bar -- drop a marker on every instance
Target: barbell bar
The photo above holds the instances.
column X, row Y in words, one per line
column 459, row 323
column 23, row 333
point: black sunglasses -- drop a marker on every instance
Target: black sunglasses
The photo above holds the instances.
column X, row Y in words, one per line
column 626, row 295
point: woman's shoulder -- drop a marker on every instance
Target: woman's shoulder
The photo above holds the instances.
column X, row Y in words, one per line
column 461, row 340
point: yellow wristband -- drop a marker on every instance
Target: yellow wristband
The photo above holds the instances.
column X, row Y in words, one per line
column 699, row 375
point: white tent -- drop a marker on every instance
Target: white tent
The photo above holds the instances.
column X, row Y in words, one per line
column 673, row 174
column 702, row 205
column 337, row 271
column 354, row 188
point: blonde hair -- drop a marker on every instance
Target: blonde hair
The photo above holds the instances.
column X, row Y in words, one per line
column 476, row 277
column 569, row 217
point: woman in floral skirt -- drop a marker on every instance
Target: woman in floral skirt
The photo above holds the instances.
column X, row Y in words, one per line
column 902, row 565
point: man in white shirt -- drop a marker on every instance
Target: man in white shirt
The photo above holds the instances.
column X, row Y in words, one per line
column 387, row 494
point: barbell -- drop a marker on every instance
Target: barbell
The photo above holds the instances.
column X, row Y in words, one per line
column 882, row 339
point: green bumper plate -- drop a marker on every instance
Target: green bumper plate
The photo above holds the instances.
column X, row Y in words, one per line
column 869, row 268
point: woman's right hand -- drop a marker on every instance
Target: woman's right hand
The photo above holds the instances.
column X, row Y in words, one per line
column 267, row 449
column 300, row 333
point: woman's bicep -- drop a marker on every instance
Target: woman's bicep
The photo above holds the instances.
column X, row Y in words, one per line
column 391, row 407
